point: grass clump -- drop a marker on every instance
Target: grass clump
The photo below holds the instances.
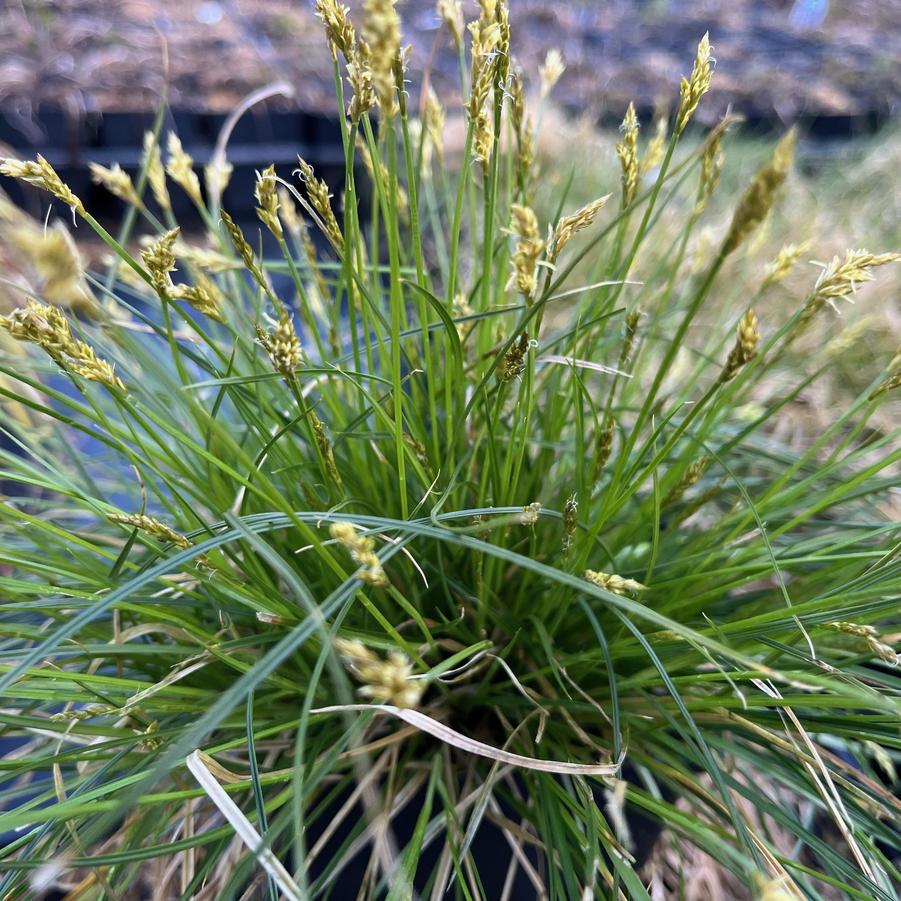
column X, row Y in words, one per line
column 417, row 499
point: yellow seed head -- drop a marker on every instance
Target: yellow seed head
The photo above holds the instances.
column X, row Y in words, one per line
column 151, row 526
column 569, row 226
column 338, row 28
column 711, row 168
column 320, row 200
column 614, row 583
column 56, row 261
column 282, row 345
column 694, row 87
column 244, row 250
column 204, row 295
column 42, row 175
column 627, row 151
column 180, row 167
column 46, row 327
column 433, row 121
column 529, row 248
column 656, row 149
column 551, row 71
column 362, row 552
column 381, row 32
column 783, row 263
column 156, row 174
column 159, row 260
column 868, row 637
column 387, row 681
column 745, row 348
column 217, row 174
column 451, row 13
column 267, row 197
column 690, row 478
column 359, row 74
column 117, row 181
column 760, row 195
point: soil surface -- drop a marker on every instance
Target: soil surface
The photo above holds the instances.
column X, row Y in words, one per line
column 782, row 58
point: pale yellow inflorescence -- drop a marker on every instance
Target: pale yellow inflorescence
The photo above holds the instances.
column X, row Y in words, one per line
column 180, row 167
column 48, row 328
column 381, row 32
column 760, row 195
column 656, row 149
column 614, row 583
column 362, row 552
column 159, row 260
column 42, row 175
column 870, row 638
column 451, row 13
column 56, row 262
column 266, row 193
column 204, row 295
column 551, row 71
column 783, row 263
column 152, row 526
column 244, row 250
column 529, row 248
column 117, row 181
column 338, row 28
column 627, row 151
column 569, row 226
column 693, row 88
column 320, row 200
column 387, row 681
column 745, row 348
column 156, row 174
column 282, row 345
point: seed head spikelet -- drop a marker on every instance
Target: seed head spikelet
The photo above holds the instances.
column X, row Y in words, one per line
column 152, row 161
column 151, row 526
column 513, row 363
column 320, row 200
column 451, row 13
column 570, row 513
column 267, row 197
column 694, row 87
column 359, row 75
column 745, row 348
column 217, row 174
column 339, row 29
column 362, row 552
column 569, row 226
column 244, row 250
column 711, row 168
column 656, row 149
column 282, row 345
column 381, row 32
column 180, row 167
column 117, row 181
column 614, row 583
column 551, row 71
column 783, row 263
column 204, row 295
column 529, row 248
column 42, row 175
column 627, row 151
column 387, row 681
column 433, row 122
column 49, row 329
column 603, row 446
column 760, row 195
column 159, row 260
column 690, row 477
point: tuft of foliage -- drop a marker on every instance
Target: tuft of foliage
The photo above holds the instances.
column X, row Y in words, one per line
column 418, row 502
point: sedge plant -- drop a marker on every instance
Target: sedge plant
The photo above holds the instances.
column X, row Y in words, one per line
column 405, row 515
